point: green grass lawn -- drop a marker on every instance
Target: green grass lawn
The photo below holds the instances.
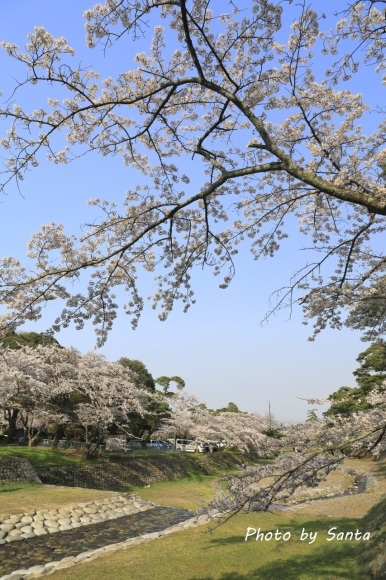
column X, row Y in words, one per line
column 189, row 493
column 224, row 554
column 197, row 553
column 18, row 498
column 39, row 455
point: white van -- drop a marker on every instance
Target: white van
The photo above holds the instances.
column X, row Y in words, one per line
column 193, row 446
column 181, row 444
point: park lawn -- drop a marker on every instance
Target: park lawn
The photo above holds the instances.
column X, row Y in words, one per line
column 197, row 554
column 40, row 455
column 18, row 498
column 224, row 554
column 189, row 493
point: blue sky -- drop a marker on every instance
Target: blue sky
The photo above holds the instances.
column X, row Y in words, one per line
column 219, row 346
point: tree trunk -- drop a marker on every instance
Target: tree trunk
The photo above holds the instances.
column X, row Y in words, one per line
column 92, row 441
column 33, row 440
column 55, row 441
column 10, row 415
column 57, row 435
column 91, row 450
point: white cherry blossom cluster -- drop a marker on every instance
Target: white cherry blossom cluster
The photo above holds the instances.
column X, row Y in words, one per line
column 300, row 455
column 268, row 136
column 306, row 454
column 48, row 385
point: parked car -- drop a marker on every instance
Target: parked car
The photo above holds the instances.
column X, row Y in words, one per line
column 196, row 447
column 213, row 446
column 202, row 447
column 156, row 444
column 182, row 443
column 135, row 444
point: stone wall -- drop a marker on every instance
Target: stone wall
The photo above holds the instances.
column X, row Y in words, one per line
column 17, row 469
column 116, row 476
column 109, row 477
column 137, row 472
column 39, row 523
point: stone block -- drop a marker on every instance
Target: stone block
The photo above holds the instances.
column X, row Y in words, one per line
column 15, row 533
column 28, row 535
column 51, row 524
column 6, row 527
column 37, row 525
column 64, row 521
column 26, row 529
column 13, row 538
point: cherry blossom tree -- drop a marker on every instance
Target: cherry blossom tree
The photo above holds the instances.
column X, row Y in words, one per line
column 184, row 408
column 241, row 431
column 107, row 395
column 189, row 417
column 24, row 389
column 233, row 91
column 37, row 418
column 236, row 133
column 322, row 447
column 46, row 385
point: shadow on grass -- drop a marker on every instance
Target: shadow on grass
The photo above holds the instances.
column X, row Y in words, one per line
column 374, row 553
column 380, row 470
column 321, row 526
column 329, row 560
column 332, row 563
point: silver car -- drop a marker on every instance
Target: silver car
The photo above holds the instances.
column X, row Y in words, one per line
column 196, row 447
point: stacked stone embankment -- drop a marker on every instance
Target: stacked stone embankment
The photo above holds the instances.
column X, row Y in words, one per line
column 39, row 523
column 16, row 469
column 28, row 559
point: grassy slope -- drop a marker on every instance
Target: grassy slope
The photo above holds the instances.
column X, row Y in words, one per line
column 21, row 498
column 39, row 455
column 373, row 556
column 190, row 493
column 196, row 555
column 24, row 497
column 224, row 554
column 189, row 463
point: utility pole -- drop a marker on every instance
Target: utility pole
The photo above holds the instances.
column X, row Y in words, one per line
column 269, row 414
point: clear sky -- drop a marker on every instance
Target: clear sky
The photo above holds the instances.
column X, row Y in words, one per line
column 219, row 347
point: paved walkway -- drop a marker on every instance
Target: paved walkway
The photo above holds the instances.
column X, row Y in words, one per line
column 26, row 553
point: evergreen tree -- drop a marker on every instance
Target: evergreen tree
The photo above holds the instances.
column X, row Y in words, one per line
column 142, row 377
column 32, row 339
column 370, row 374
